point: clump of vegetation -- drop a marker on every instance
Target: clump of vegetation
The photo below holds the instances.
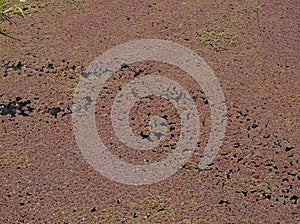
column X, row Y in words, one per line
column 219, row 39
column 7, row 7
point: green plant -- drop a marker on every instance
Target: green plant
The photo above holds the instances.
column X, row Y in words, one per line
column 7, row 7
column 1, row 8
column 220, row 39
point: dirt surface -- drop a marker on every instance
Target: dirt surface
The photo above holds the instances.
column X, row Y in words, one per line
column 253, row 49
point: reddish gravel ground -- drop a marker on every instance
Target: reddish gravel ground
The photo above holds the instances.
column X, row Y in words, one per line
column 252, row 47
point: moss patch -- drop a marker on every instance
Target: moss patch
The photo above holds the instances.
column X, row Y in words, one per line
column 153, row 209
column 14, row 159
column 218, row 38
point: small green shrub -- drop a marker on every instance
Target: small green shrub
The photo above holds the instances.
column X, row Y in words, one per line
column 11, row 6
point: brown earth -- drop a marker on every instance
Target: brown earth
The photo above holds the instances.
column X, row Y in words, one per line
column 253, row 48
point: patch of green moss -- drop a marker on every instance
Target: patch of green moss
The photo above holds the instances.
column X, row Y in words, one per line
column 14, row 159
column 174, row 38
column 153, row 209
column 185, row 221
column 218, row 38
column 247, row 7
